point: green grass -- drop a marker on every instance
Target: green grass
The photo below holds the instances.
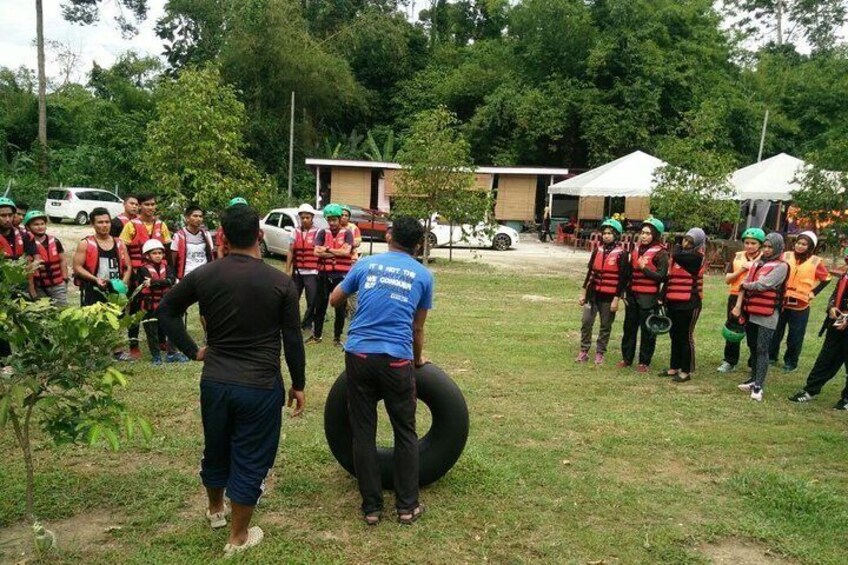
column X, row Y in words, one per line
column 564, row 463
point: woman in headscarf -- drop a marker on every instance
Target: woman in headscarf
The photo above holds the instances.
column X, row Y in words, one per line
column 682, row 294
column 760, row 299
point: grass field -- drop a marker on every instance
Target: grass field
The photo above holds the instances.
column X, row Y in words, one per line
column 564, row 463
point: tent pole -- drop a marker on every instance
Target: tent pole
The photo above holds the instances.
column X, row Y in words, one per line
column 779, row 211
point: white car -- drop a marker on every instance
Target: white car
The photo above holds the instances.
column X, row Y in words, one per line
column 278, row 227
column 497, row 237
column 74, row 203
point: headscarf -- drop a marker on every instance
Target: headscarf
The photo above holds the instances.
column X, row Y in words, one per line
column 777, row 245
column 698, row 237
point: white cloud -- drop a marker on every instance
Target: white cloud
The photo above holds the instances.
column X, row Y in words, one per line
column 101, row 42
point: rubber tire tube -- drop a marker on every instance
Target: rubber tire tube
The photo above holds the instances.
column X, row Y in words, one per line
column 438, row 450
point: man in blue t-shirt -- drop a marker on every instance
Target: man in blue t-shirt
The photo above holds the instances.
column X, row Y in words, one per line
column 384, row 345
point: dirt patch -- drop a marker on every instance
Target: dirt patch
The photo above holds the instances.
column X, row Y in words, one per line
column 733, row 551
column 536, row 298
column 88, row 531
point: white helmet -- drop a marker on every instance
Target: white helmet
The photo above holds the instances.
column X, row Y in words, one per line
column 811, row 236
column 151, row 245
column 305, row 209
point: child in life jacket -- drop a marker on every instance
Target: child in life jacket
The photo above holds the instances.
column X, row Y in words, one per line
column 605, row 282
column 51, row 277
column 155, row 278
column 759, row 299
column 808, row 275
column 834, row 352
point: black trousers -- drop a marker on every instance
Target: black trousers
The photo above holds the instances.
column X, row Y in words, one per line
column 833, row 355
column 308, row 283
column 133, row 331
column 634, row 323
column 370, row 378
column 683, row 339
column 156, row 337
column 796, row 320
column 325, row 287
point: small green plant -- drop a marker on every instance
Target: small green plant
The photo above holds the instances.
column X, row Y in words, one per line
column 60, row 371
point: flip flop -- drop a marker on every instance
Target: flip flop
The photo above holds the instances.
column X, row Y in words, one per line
column 254, row 537
column 409, row 517
column 372, row 519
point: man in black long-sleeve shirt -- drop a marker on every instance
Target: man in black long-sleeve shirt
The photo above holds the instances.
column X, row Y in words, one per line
column 248, row 306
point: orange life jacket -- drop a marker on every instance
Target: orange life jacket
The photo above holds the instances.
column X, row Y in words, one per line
column 303, row 248
column 801, row 280
column 335, row 264
column 182, row 244
column 764, row 302
column 681, row 284
column 738, row 260
column 50, row 273
column 606, row 271
column 152, row 295
column 92, row 257
column 639, row 283
column 140, row 238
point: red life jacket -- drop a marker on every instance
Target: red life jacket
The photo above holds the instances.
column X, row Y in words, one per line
column 50, row 273
column 13, row 252
column 841, row 287
column 606, row 272
column 681, row 283
column 335, row 264
column 765, row 302
column 181, row 238
column 303, row 248
column 152, row 295
column 639, row 283
column 140, row 238
column 124, row 218
column 92, row 257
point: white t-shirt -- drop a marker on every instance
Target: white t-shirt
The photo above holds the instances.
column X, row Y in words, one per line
column 195, row 251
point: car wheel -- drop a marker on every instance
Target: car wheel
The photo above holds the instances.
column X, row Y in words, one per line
column 81, row 219
column 263, row 248
column 55, row 220
column 438, row 450
column 501, row 242
column 432, row 240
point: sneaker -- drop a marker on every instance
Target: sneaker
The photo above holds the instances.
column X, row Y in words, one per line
column 642, row 368
column 582, row 357
column 757, row 393
column 254, row 537
column 681, row 378
column 789, row 368
column 157, row 360
column 599, row 358
column 841, row 405
column 746, row 386
column 801, row 396
column 726, row 367
column 135, row 353
column 312, row 340
column 176, row 358
column 338, row 343
column 622, row 365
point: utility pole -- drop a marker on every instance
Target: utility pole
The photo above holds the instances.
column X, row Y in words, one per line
column 42, row 87
column 778, row 8
column 291, row 146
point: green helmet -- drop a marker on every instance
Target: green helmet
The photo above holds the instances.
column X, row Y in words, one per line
column 614, row 224
column 657, row 225
column 332, row 210
column 32, row 215
column 236, row 201
column 733, row 332
column 658, row 324
column 118, row 286
column 754, row 233
column 346, row 208
column 8, row 202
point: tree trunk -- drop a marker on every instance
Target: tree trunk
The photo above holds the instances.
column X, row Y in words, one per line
column 22, row 435
column 42, row 86
column 427, row 240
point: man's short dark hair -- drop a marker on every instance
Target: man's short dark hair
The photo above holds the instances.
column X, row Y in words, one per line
column 191, row 209
column 241, row 225
column 98, row 212
column 130, row 195
column 407, row 232
column 21, row 205
column 146, row 197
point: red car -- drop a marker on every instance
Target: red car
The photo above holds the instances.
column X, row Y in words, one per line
column 372, row 223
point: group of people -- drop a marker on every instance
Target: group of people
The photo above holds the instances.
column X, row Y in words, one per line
column 250, row 311
column 662, row 291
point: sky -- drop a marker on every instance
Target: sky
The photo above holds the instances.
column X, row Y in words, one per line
column 101, row 42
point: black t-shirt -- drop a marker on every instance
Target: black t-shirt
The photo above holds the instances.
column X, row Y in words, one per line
column 117, row 227
column 29, row 244
column 248, row 306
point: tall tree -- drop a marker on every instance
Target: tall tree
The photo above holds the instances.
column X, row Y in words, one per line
column 817, row 22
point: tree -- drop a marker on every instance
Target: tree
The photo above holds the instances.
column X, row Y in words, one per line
column 822, row 201
column 816, row 21
column 437, row 176
column 195, row 148
column 61, row 372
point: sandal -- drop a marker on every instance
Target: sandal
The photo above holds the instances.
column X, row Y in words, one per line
column 254, row 536
column 407, row 517
column 666, row 373
column 218, row 519
column 372, row 518
column 681, row 378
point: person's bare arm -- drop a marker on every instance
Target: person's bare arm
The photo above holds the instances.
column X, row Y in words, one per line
column 418, row 336
column 125, row 258
column 338, row 297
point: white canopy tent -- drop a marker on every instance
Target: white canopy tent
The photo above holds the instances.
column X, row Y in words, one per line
column 631, row 175
column 770, row 179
